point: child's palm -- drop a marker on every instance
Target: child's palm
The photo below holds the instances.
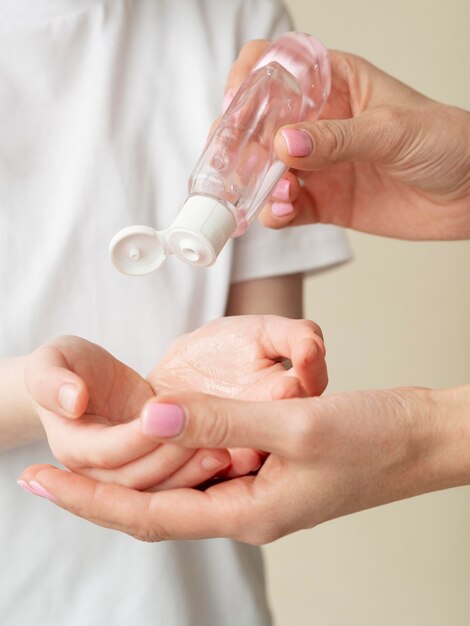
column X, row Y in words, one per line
column 242, row 357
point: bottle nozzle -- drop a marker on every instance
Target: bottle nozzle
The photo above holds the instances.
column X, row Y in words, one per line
column 201, row 230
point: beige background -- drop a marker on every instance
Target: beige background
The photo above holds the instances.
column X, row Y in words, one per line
column 398, row 315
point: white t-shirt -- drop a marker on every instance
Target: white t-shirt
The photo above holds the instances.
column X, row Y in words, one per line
column 104, row 109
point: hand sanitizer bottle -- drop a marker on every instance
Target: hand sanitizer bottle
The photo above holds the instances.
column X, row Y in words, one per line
column 238, row 168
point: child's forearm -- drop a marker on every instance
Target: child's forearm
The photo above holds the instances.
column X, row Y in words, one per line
column 19, row 422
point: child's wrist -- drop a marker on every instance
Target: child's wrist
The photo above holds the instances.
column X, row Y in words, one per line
column 19, row 419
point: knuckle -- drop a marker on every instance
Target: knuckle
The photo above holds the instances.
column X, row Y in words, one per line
column 214, row 428
column 354, row 70
column 394, row 119
column 397, row 142
column 263, row 530
column 253, row 49
column 61, row 453
column 155, row 534
column 151, row 529
column 312, row 327
column 100, row 459
column 262, row 536
column 335, row 138
column 247, row 58
column 345, row 64
column 300, row 436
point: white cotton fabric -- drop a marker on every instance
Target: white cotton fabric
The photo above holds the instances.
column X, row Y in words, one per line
column 104, row 109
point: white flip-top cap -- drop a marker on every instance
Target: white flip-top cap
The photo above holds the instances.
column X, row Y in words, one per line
column 137, row 250
column 198, row 234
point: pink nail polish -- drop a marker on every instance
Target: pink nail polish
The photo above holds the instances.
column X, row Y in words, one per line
column 24, row 485
column 227, row 100
column 162, row 420
column 41, row 491
column 299, row 143
column 282, row 190
column 281, row 209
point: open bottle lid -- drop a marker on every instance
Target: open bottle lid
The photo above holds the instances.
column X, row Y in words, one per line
column 138, row 250
column 198, row 234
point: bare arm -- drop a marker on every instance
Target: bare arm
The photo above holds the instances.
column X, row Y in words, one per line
column 19, row 422
column 277, row 295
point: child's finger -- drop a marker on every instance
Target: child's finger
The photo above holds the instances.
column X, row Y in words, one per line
column 244, row 461
column 278, row 386
column 282, row 336
column 203, row 465
column 309, row 366
column 168, row 466
column 301, row 341
column 84, row 443
column 144, row 472
column 53, row 386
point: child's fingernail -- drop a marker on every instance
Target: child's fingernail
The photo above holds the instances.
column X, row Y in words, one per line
column 281, row 209
column 68, row 397
column 227, row 100
column 282, row 190
column 211, row 464
column 39, row 490
column 162, row 420
column 24, row 485
column 299, row 143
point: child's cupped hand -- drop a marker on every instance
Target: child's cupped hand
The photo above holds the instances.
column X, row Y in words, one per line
column 245, row 357
column 90, row 403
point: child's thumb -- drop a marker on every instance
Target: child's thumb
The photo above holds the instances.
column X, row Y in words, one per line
column 53, row 386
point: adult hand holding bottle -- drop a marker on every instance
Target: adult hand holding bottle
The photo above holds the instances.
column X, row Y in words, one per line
column 384, row 159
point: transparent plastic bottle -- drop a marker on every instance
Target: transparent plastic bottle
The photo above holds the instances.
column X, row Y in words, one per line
column 238, row 168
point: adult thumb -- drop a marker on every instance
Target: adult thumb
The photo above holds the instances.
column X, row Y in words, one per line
column 200, row 421
column 373, row 136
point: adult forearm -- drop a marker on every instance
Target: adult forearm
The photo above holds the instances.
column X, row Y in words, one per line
column 399, row 443
column 19, row 423
column 450, row 465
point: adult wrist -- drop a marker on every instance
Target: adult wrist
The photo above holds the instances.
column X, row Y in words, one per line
column 450, row 420
column 435, row 439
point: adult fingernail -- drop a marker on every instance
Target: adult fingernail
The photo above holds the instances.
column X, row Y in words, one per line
column 227, row 100
column 298, row 142
column 282, row 190
column 68, row 397
column 211, row 464
column 281, row 209
column 39, row 490
column 24, row 485
column 36, row 489
column 162, row 420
